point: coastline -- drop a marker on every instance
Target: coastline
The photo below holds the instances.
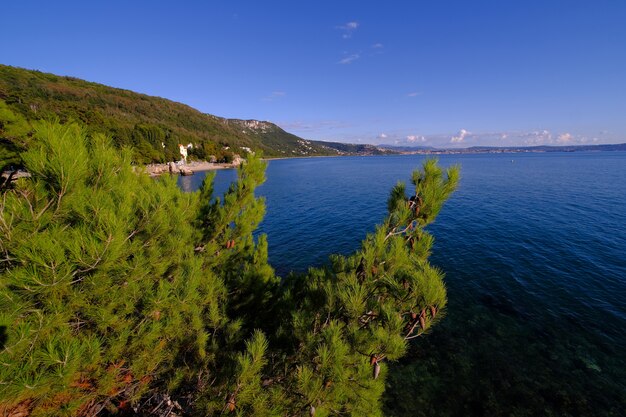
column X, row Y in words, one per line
column 192, row 167
column 198, row 166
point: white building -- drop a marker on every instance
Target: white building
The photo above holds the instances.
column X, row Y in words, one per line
column 183, row 152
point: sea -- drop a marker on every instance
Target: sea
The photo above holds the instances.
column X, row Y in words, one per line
column 533, row 246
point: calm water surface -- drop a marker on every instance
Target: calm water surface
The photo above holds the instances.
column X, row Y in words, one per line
column 534, row 250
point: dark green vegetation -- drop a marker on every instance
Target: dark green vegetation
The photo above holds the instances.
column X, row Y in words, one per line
column 120, row 293
column 152, row 126
column 14, row 137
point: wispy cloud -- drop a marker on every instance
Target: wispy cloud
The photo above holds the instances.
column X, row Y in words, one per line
column 378, row 45
column 460, row 137
column 415, row 138
column 348, row 29
column 349, row 59
column 274, row 95
column 382, row 136
column 414, row 94
column 536, row 137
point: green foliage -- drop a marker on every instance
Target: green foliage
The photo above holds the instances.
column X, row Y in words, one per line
column 116, row 289
column 142, row 122
column 100, row 292
column 14, row 132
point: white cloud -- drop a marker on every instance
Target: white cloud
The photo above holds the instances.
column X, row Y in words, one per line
column 463, row 138
column 517, row 138
column 378, row 45
column 349, row 59
column 414, row 94
column 348, row 29
column 415, row 138
column 536, row 137
column 564, row 138
column 460, row 137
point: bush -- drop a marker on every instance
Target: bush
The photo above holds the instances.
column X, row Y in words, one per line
column 119, row 292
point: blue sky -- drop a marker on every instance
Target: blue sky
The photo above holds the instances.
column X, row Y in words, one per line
column 430, row 73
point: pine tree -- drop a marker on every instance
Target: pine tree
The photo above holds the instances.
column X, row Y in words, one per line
column 122, row 294
column 14, row 131
column 102, row 294
column 348, row 319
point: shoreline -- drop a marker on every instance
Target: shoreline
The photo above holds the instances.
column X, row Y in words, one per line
column 155, row 170
column 199, row 166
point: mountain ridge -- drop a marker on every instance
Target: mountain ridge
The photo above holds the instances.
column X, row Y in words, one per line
column 152, row 126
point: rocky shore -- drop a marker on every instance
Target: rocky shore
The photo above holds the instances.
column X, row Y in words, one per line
column 154, row 170
column 186, row 169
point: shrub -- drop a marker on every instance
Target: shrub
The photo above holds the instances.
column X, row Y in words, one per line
column 117, row 289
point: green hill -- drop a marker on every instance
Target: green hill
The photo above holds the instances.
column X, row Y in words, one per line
column 152, row 126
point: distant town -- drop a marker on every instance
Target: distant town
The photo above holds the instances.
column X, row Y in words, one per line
column 511, row 149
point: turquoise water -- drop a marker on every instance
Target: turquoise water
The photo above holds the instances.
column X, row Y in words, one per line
column 534, row 250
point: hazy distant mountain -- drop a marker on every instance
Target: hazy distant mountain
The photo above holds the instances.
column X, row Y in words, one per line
column 496, row 149
column 353, row 149
column 405, row 148
column 563, row 148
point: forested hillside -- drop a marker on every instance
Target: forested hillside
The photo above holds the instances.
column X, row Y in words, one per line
column 152, row 126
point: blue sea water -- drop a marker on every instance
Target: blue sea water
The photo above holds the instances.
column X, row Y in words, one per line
column 534, row 251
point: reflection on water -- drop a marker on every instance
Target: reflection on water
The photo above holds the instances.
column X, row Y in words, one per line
column 186, row 183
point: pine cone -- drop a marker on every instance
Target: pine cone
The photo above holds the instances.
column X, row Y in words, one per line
column 376, row 370
column 423, row 319
column 231, row 403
